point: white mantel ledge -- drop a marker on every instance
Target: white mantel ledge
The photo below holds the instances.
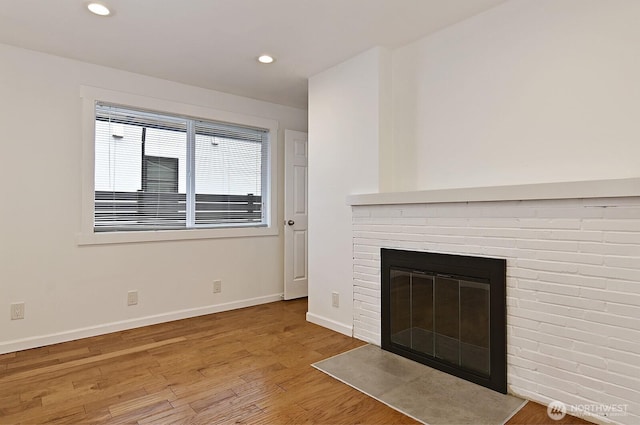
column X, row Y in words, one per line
column 617, row 188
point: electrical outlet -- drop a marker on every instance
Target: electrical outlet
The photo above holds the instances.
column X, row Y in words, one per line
column 132, row 297
column 217, row 286
column 17, row 311
column 335, row 299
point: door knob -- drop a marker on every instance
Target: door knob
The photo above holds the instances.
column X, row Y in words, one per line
column 291, row 222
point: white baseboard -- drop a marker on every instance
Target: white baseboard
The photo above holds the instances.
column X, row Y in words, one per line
column 532, row 396
column 40, row 341
column 330, row 324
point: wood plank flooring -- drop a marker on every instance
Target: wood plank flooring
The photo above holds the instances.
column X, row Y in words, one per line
column 244, row 366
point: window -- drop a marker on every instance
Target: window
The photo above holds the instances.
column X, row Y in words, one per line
column 157, row 171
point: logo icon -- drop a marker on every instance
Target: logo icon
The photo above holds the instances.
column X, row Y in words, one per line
column 556, row 410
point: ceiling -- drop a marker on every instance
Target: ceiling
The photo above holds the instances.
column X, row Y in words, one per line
column 214, row 43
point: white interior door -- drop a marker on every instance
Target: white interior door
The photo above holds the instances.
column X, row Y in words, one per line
column 295, row 215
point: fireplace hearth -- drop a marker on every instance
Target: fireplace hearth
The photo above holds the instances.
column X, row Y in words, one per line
column 447, row 312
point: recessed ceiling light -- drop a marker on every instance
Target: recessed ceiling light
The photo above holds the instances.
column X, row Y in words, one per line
column 99, row 9
column 266, row 59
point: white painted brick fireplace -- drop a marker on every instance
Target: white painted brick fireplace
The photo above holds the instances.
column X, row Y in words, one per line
column 573, row 279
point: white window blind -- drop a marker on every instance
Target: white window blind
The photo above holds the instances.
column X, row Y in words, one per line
column 156, row 171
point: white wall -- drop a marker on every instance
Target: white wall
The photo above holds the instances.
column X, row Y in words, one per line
column 70, row 290
column 530, row 91
column 344, row 133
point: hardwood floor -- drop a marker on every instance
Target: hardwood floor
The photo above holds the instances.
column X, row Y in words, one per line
column 243, row 366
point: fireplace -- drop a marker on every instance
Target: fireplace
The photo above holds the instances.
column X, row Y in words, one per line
column 447, row 312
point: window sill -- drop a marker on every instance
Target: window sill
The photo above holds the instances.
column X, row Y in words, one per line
column 173, row 235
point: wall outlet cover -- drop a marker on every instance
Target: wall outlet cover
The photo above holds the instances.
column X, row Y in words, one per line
column 132, row 297
column 335, row 299
column 17, row 311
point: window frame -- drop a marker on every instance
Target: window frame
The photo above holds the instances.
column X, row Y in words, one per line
column 87, row 235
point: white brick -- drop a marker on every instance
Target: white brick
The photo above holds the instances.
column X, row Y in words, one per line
column 513, row 223
column 523, row 322
column 616, row 297
column 559, row 223
column 521, row 273
column 521, row 294
column 386, row 211
column 369, row 307
column 521, row 363
column 622, row 262
column 622, row 392
column 571, row 257
column 410, row 221
column 612, row 225
column 497, row 252
column 362, row 326
column 569, row 212
column 367, row 336
column 552, row 288
column 577, row 235
column 612, row 319
column 523, row 343
column 623, row 286
column 542, row 358
column 610, row 272
column 365, row 299
column 573, row 280
column 513, row 233
column 548, row 245
column 577, row 377
column 442, row 239
column 550, row 266
column 493, row 242
column 366, row 277
column 626, row 369
column 610, row 249
column 365, row 309
column 622, row 237
column 632, row 212
column 525, row 384
column 369, row 321
column 367, row 263
column 366, row 270
column 631, row 311
column 584, row 303
column 625, row 345
column 570, row 333
column 527, row 374
column 505, row 212
column 561, row 311
column 603, row 330
column 540, row 337
column 360, row 212
column 366, row 249
column 366, row 291
column 595, row 349
column 418, row 211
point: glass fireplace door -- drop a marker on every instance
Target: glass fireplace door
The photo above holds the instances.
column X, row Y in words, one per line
column 444, row 317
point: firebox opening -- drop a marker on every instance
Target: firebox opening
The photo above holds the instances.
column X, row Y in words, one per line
column 448, row 312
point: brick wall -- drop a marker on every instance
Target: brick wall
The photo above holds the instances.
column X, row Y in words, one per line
column 573, row 287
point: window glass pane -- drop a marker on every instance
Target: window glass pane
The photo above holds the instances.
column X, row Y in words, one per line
column 140, row 170
column 228, row 174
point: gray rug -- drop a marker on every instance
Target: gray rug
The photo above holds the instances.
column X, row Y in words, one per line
column 423, row 393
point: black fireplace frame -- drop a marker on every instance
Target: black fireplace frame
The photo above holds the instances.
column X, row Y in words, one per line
column 491, row 269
